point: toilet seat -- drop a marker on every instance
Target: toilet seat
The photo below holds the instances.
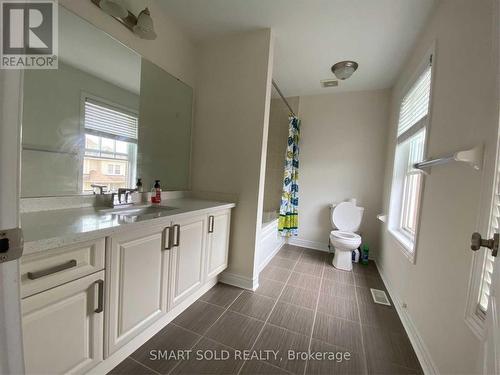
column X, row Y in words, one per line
column 345, row 235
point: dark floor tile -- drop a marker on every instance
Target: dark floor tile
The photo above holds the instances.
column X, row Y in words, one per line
column 302, row 280
column 288, row 252
column 343, row 362
column 275, row 273
column 294, row 318
column 338, row 332
column 368, row 269
column 200, row 363
column 261, row 368
column 253, row 305
column 170, row 338
column 199, row 316
column 338, row 290
column 380, row 316
column 222, row 295
column 299, row 296
column 384, row 346
column 333, row 274
column 130, row 367
column 283, row 263
column 369, row 281
column 235, row 330
column 282, row 340
column 310, row 254
column 339, row 307
column 385, row 368
column 310, row 268
column 269, row 288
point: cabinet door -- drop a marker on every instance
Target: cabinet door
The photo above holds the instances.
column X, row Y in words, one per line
column 218, row 242
column 187, row 257
column 138, row 277
column 63, row 327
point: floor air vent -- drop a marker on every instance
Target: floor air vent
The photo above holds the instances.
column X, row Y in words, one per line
column 380, row 297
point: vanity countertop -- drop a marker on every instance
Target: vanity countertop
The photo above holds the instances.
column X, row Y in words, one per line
column 45, row 230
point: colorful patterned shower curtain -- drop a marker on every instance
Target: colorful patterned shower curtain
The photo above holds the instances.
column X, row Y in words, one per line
column 289, row 214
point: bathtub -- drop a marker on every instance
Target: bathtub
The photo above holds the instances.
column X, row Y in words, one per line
column 270, row 240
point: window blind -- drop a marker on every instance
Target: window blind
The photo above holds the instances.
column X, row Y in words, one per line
column 489, row 260
column 415, row 104
column 110, row 122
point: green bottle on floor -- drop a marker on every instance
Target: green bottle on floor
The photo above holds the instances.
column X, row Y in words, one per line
column 364, row 255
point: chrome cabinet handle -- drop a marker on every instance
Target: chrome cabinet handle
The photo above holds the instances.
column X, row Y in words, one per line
column 100, row 300
column 167, row 238
column 177, row 235
column 211, row 220
column 49, row 271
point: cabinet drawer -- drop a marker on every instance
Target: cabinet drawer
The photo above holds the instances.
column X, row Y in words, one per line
column 54, row 267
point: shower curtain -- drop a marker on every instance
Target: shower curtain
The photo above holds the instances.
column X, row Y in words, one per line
column 289, row 214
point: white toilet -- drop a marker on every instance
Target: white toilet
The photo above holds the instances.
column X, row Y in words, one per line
column 345, row 218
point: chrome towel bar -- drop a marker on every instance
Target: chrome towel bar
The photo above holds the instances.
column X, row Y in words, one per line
column 472, row 157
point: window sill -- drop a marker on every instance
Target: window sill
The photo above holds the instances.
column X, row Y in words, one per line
column 406, row 244
column 476, row 324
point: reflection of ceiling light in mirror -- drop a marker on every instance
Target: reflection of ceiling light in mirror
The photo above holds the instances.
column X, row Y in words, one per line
column 344, row 69
column 144, row 27
column 113, row 8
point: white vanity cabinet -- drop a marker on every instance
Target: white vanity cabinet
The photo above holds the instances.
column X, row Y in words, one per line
column 217, row 242
column 63, row 327
column 188, row 256
column 138, row 269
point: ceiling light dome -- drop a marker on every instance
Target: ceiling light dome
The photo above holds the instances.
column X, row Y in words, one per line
column 344, row 69
column 144, row 27
column 113, row 8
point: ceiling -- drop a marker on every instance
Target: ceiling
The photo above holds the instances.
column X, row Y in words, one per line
column 91, row 50
column 312, row 35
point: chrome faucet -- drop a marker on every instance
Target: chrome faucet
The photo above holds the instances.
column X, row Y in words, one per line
column 125, row 191
column 100, row 187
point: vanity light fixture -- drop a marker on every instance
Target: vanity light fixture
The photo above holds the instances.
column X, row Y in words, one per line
column 141, row 25
column 344, row 69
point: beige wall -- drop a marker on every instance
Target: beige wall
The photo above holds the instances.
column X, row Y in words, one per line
column 342, row 156
column 172, row 50
column 463, row 114
column 276, row 147
column 230, row 134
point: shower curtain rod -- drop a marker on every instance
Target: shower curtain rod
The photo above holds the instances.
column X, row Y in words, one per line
column 283, row 98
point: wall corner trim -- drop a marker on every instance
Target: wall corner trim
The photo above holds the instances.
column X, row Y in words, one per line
column 239, row 281
column 421, row 350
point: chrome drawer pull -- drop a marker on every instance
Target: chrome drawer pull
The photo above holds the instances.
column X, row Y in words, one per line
column 211, row 224
column 100, row 301
column 49, row 271
column 177, row 235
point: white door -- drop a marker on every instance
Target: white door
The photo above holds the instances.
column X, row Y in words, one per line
column 11, row 353
column 63, row 327
column 218, row 242
column 138, row 279
column 187, row 256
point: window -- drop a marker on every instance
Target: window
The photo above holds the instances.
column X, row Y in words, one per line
column 110, row 146
column 410, row 146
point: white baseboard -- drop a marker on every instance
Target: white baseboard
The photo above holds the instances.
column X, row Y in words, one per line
column 239, row 281
column 117, row 357
column 423, row 354
column 309, row 244
column 271, row 255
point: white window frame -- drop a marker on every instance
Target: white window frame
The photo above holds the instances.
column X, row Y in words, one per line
column 133, row 159
column 408, row 243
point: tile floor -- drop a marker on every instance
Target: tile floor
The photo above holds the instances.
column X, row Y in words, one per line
column 302, row 304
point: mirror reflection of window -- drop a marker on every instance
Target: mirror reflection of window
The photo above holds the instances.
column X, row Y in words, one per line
column 110, row 146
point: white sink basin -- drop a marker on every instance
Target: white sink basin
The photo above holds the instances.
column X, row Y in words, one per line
column 138, row 213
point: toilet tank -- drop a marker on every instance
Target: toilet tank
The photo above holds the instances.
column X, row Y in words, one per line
column 346, row 216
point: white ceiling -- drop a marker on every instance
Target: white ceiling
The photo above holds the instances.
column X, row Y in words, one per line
column 311, row 35
column 87, row 48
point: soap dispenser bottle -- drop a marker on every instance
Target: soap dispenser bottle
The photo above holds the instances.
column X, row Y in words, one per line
column 156, row 195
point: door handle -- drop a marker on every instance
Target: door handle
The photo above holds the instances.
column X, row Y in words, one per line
column 167, row 238
column 477, row 242
column 177, row 235
column 211, row 224
column 49, row 271
column 100, row 298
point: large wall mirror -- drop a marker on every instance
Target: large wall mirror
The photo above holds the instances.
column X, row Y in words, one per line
column 105, row 117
